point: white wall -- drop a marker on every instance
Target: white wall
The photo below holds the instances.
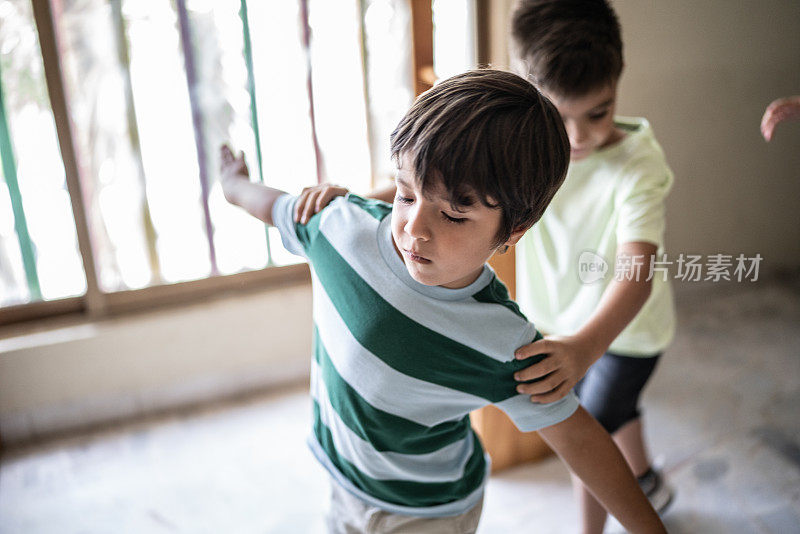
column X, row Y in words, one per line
column 86, row 374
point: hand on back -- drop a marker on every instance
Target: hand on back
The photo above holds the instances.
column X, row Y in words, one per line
column 313, row 199
column 568, row 359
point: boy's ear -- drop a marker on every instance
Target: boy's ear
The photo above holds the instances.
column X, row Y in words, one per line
column 516, row 235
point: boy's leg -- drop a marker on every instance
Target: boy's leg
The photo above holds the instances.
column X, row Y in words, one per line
column 630, row 440
column 593, row 515
column 631, row 444
column 610, row 392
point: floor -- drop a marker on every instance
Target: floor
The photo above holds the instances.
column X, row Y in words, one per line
column 721, row 415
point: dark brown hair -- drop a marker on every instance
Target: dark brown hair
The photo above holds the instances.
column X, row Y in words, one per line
column 487, row 135
column 567, row 47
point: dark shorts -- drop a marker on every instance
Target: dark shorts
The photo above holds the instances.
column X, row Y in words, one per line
column 611, row 388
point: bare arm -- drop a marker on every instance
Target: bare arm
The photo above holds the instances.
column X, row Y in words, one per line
column 255, row 199
column 621, row 301
column 590, row 453
column 571, row 356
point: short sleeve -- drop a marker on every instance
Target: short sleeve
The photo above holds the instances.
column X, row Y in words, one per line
column 293, row 238
column 528, row 416
column 641, row 208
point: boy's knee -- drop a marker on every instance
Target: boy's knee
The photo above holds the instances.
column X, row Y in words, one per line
column 613, row 417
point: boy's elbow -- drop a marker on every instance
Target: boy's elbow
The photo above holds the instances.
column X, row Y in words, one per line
column 645, row 289
column 264, row 214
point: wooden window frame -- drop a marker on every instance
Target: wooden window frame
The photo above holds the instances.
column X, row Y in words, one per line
column 96, row 304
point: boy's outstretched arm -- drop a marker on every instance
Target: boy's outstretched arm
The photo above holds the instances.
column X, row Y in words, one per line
column 587, row 449
column 255, row 199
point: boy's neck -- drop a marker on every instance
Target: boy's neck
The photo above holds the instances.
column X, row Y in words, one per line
column 616, row 136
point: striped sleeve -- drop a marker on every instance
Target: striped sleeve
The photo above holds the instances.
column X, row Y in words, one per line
column 296, row 238
column 282, row 218
column 527, row 416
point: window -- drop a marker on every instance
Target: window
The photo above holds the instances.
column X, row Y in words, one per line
column 38, row 245
column 116, row 199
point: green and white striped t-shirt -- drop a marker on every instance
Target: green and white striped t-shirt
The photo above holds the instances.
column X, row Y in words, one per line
column 398, row 366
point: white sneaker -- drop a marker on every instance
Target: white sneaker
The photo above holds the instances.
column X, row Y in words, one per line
column 657, row 490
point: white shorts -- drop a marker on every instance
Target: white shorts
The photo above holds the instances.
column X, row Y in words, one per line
column 350, row 515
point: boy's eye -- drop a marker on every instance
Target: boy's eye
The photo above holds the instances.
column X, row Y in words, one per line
column 404, row 200
column 598, row 116
column 453, row 219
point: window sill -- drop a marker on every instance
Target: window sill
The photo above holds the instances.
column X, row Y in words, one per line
column 36, row 317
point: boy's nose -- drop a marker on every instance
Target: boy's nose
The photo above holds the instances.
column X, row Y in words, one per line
column 577, row 135
column 416, row 226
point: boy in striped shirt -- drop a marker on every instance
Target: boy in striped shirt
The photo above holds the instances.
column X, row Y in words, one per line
column 412, row 330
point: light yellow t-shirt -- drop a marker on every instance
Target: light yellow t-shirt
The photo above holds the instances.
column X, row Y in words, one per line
column 613, row 196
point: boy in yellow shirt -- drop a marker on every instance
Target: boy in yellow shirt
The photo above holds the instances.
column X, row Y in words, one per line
column 588, row 272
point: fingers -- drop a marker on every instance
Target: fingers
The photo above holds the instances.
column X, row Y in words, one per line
column 300, row 204
column 324, row 199
column 777, row 112
column 538, row 370
column 543, row 346
column 313, row 199
column 232, row 165
column 310, row 204
column 766, row 131
column 225, row 153
column 556, row 394
column 306, row 204
column 543, row 385
column 771, row 118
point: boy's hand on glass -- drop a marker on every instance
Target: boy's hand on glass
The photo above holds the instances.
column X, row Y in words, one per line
column 568, row 359
column 313, row 199
column 778, row 111
column 231, row 166
column 232, row 169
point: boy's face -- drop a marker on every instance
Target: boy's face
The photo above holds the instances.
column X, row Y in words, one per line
column 589, row 120
column 439, row 245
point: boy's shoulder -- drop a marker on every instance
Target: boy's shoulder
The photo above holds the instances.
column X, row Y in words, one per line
column 350, row 214
column 375, row 208
column 639, row 148
column 635, row 161
column 496, row 292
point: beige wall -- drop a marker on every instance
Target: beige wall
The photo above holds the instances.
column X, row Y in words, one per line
column 84, row 374
column 702, row 72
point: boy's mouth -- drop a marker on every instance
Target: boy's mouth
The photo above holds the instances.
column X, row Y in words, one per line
column 415, row 257
column 579, row 151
